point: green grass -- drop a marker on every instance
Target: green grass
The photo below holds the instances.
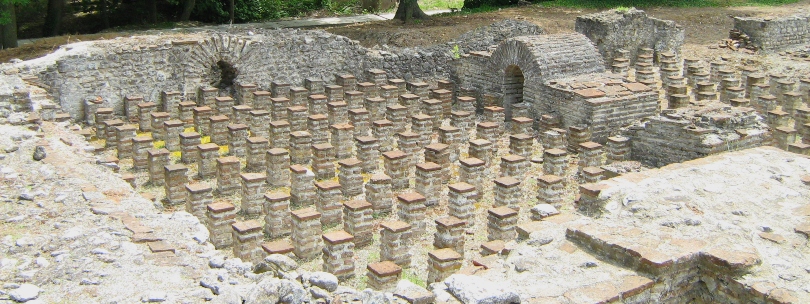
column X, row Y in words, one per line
column 411, row 275
column 620, row 4
column 440, row 4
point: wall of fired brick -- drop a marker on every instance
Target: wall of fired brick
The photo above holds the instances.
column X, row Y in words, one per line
column 775, row 34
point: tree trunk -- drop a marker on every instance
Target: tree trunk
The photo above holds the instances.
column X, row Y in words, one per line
column 409, row 9
column 231, row 10
column 188, row 6
column 105, row 14
column 152, row 11
column 9, row 30
column 53, row 18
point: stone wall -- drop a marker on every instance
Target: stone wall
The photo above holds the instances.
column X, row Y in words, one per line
column 149, row 65
column 775, row 34
column 629, row 30
column 695, row 132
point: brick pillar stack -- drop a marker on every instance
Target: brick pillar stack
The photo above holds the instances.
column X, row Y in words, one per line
column 449, row 234
column 434, row 109
column 157, row 159
column 383, row 131
column 522, row 125
column 158, row 118
column 206, row 95
column 359, row 118
column 368, row 153
column 369, row 89
column 555, row 161
column 507, row 193
column 418, row 88
column 131, row 107
column 429, row 182
column 411, row 209
column 389, row 93
column 220, row 217
column 279, row 134
column 442, row 263
column 219, row 129
column 338, row 254
column 241, row 114
column 140, row 146
column 278, row 167
column 482, row 149
column 261, row 101
column 347, row 81
column 198, row 196
column 342, row 140
column 224, row 106
column 228, row 169
column 173, row 129
column 396, row 167
column 333, row 93
column 495, row 115
column 254, row 186
column 306, row 233
column 317, row 105
column 578, row 135
column 350, row 177
column 202, row 116
column 521, row 144
column 463, row 120
column 300, row 147
column 145, row 116
column 411, row 103
column 395, row 243
column 380, row 193
column 247, row 238
column 302, row 188
column 358, row 221
column 488, row 130
column 398, row 115
column 550, row 190
column 256, row 154
column 279, row 89
column 440, row 155
column 279, row 107
column 473, row 172
column 461, row 201
column 276, row 211
column 383, row 276
column 323, row 157
column 175, row 183
column 618, row 149
column 451, row 136
column 590, row 155
column 297, row 117
column 465, row 103
column 206, row 162
column 124, row 135
column 501, row 222
column 259, row 120
column 375, row 107
column 318, row 126
column 328, row 202
column 338, row 113
column 353, row 99
column 237, row 139
column 423, row 125
column 553, row 139
column 515, row 166
column 592, row 175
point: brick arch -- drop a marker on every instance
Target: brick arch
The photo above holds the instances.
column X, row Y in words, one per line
column 203, row 62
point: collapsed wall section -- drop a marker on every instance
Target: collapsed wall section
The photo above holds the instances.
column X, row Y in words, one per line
column 629, row 30
column 696, row 132
column 775, row 34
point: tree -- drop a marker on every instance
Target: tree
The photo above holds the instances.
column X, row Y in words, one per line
column 8, row 23
column 53, row 18
column 231, row 9
column 409, row 9
column 188, row 6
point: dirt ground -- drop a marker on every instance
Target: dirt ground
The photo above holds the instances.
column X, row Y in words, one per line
column 703, row 26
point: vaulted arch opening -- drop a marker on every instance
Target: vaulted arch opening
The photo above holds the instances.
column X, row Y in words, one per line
column 512, row 89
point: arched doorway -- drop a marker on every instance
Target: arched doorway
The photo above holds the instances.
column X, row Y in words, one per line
column 223, row 74
column 512, row 89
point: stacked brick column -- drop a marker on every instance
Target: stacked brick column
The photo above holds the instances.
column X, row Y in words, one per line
column 219, row 129
column 247, row 238
column 473, row 172
column 592, row 175
column 256, row 154
column 300, row 147
column 206, row 95
column 461, row 201
column 375, row 107
column 383, row 276
column 463, row 120
column 279, row 134
column 279, row 107
column 618, row 149
column 124, row 135
column 306, row 232
column 488, row 130
column 550, row 190
column 451, row 136
column 224, row 106
column 333, row 93
column 202, row 116
column 254, row 186
column 131, row 107
column 175, row 183
column 379, row 193
column 338, row 113
column 383, row 131
column 140, row 144
column 338, row 254
column 241, row 114
column 515, row 166
column 157, row 159
column 429, row 182
column 398, row 115
column 395, row 243
column 220, row 217
column 411, row 103
column 227, row 175
column 442, row 263
column 449, row 234
column 342, row 140
column 259, row 119
column 302, row 189
column 411, row 209
column 408, row 143
column 314, row 85
column 206, row 163
column 197, row 198
column 278, row 167
column 323, row 161
column 261, row 101
column 353, row 99
column 507, row 193
column 237, row 139
column 279, row 89
column 276, row 211
column 368, row 152
column 328, row 202
column 423, row 125
column 396, row 167
column 358, row 221
column 522, row 125
column 521, row 144
column 554, row 139
column 501, row 223
column 590, row 155
column 347, row 81
column 350, row 177
column 359, row 118
column 555, row 161
column 158, row 130
column 369, row 89
column 173, row 129
column 434, row 109
column 318, row 126
column 317, row 105
column 297, row 117
column 440, row 155
column 145, row 116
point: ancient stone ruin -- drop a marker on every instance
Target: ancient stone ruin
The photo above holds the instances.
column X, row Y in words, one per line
column 298, row 166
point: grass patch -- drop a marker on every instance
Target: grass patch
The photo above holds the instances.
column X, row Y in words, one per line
column 440, row 4
column 412, row 276
column 626, row 4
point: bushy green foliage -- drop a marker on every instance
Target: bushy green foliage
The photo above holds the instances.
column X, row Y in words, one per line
column 470, row 4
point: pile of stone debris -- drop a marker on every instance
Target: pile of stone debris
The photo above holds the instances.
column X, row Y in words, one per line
column 737, row 40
